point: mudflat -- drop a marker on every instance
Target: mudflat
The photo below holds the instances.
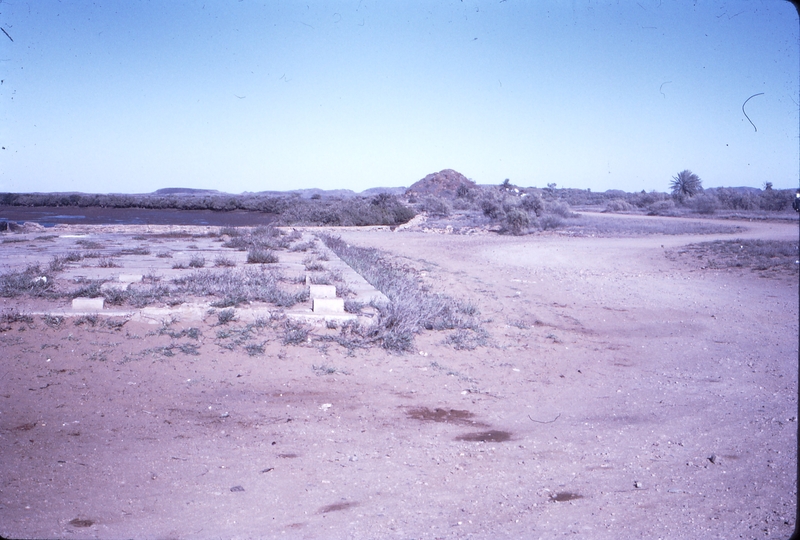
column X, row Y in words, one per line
column 629, row 387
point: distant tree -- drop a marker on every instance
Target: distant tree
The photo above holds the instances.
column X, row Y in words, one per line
column 686, row 184
column 768, row 186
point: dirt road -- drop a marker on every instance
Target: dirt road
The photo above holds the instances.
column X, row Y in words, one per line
column 623, row 394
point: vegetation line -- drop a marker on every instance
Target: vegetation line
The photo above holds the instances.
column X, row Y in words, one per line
column 412, row 308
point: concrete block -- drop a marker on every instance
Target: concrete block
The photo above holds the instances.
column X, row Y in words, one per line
column 327, row 305
column 322, row 291
column 87, row 304
column 130, row 278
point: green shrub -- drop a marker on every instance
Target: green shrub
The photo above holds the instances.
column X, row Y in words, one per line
column 517, row 221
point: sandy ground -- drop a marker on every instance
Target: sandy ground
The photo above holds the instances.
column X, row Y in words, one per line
column 623, row 395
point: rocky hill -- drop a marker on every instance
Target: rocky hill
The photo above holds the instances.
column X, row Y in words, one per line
column 444, row 183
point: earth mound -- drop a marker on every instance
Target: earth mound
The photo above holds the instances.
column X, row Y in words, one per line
column 444, row 183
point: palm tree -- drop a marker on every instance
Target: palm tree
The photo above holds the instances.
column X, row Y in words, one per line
column 686, row 184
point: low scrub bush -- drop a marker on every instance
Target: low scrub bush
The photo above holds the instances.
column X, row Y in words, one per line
column 261, row 256
column 226, row 316
column 197, row 261
column 619, row 205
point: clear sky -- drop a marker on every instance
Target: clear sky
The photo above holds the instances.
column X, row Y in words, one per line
column 252, row 95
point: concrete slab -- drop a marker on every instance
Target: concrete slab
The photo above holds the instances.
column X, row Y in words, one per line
column 327, row 305
column 87, row 304
column 322, row 291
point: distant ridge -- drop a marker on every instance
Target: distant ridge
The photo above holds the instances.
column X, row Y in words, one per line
column 338, row 193
column 184, row 191
column 378, row 190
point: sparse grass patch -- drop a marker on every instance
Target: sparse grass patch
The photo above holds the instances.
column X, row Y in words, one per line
column 255, row 349
column 115, row 297
column 757, row 255
column 465, row 339
column 312, row 264
column 107, row 263
column 295, row 333
column 164, row 255
column 224, row 262
column 14, row 316
column 328, row 370
column 250, row 284
column 53, row 321
column 90, row 288
column 588, row 225
column 353, row 306
column 303, row 246
column 134, row 251
column 90, row 320
column 32, row 281
column 89, row 244
column 229, row 231
column 411, row 308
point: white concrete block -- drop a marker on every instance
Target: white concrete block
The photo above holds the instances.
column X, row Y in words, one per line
column 130, row 278
column 87, row 304
column 328, row 305
column 322, row 291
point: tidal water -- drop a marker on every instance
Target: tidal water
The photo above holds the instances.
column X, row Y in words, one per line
column 48, row 216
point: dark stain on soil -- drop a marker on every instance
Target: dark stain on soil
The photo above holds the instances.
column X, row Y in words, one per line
column 81, row 522
column 492, row 435
column 25, row 427
column 565, row 496
column 448, row 416
column 336, row 507
column 287, row 456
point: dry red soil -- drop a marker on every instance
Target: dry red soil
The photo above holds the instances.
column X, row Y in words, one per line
column 622, row 394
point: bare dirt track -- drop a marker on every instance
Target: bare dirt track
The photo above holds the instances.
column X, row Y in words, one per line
column 624, row 393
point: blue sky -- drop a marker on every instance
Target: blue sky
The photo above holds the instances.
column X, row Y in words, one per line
column 130, row 97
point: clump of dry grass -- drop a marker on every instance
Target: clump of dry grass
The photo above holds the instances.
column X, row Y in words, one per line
column 32, row 281
column 197, row 261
